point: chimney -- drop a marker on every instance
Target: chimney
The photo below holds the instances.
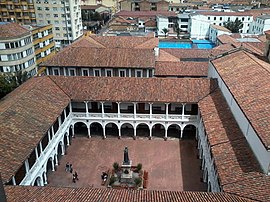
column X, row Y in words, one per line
column 2, row 191
column 156, row 49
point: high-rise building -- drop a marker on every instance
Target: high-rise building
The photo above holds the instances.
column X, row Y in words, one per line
column 65, row 17
column 20, row 11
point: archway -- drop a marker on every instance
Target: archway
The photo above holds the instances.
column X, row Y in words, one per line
column 70, row 134
column 158, row 130
column 59, row 152
column 174, row 131
column 142, row 130
column 189, row 132
column 96, row 129
column 127, row 130
column 111, row 129
column 49, row 165
column 80, row 129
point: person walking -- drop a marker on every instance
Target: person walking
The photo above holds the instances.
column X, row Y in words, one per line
column 73, row 178
column 67, row 167
column 70, row 168
column 76, row 175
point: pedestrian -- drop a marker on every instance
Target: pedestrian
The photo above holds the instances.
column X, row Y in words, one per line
column 76, row 175
column 73, row 178
column 70, row 168
column 67, row 167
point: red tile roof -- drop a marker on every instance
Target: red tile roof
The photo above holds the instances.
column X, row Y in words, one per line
column 215, row 13
column 225, row 38
column 237, row 167
column 99, row 51
column 185, row 69
column 116, row 88
column 26, row 193
column 250, row 85
column 12, row 30
column 25, row 116
column 188, row 53
column 153, row 14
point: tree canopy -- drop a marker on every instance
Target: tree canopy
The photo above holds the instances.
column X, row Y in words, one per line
column 165, row 31
column 9, row 81
column 235, row 26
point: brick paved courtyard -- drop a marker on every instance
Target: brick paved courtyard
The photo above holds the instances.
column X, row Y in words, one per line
column 172, row 164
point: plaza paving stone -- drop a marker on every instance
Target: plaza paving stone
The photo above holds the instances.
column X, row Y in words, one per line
column 172, row 164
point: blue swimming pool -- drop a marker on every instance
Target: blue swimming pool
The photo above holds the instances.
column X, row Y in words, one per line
column 196, row 44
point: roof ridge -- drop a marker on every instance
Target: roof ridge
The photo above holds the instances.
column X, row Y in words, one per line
column 252, row 58
column 58, row 86
column 91, row 40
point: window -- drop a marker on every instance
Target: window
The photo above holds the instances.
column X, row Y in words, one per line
column 184, row 26
column 39, row 8
column 57, row 28
column 97, row 72
column 220, row 18
column 208, row 18
column 138, row 73
column 31, row 62
column 55, row 15
column 215, row 18
column 71, row 72
column 184, row 20
column 47, row 8
column 54, row 8
column 108, row 72
column 56, row 71
column 122, row 72
column 85, row 72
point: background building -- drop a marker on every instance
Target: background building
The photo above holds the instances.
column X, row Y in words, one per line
column 64, row 15
column 261, row 24
column 20, row 11
column 16, row 49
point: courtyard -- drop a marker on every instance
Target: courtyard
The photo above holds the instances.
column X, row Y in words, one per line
column 171, row 164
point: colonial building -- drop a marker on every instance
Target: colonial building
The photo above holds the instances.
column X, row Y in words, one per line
column 105, row 56
column 16, row 49
column 224, row 112
column 144, row 5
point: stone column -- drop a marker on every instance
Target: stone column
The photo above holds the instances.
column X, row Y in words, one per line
column 13, row 180
column 86, row 107
column 181, row 135
column 104, row 131
column 67, row 136
column 70, row 107
column 26, row 165
column 72, row 129
column 135, row 109
column 150, row 109
column 135, row 132
column 40, row 146
column 65, row 71
column 89, row 132
column 56, row 160
column 52, row 131
column 45, row 178
column 41, row 181
column 150, row 137
column 36, row 152
column 49, row 135
column 118, row 109
column 102, row 109
column 63, row 149
column 119, row 131
column 166, row 133
column 59, row 121
column 52, row 161
column 65, row 113
column 167, row 110
column 183, row 110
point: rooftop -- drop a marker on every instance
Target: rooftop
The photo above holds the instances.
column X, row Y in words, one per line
column 12, row 30
column 248, row 82
column 146, row 13
column 221, row 28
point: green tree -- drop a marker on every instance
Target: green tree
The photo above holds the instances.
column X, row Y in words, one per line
column 177, row 29
column 235, row 26
column 10, row 81
column 165, row 31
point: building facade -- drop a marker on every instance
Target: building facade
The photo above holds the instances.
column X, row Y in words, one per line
column 43, row 42
column 20, row 11
column 260, row 24
column 144, row 5
column 200, row 22
column 65, row 17
column 16, row 49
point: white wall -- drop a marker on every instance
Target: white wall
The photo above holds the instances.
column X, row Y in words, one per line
column 162, row 22
column 262, row 155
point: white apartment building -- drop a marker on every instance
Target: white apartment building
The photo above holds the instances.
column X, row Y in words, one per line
column 260, row 25
column 200, row 22
column 64, row 15
column 215, row 31
column 16, row 49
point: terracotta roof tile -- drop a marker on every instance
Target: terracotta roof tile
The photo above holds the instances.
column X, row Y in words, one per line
column 188, row 53
column 249, row 83
column 221, row 28
column 25, row 116
column 224, row 39
column 145, row 13
column 116, row 88
column 27, row 193
column 237, row 167
column 186, row 69
column 10, row 30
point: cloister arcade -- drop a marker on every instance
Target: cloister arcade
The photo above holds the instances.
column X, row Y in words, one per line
column 105, row 119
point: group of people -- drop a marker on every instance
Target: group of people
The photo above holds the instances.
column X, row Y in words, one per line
column 69, row 168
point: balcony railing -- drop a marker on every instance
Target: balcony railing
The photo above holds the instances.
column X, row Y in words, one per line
column 172, row 117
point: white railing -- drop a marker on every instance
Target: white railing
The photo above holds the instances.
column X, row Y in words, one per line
column 46, row 153
column 125, row 116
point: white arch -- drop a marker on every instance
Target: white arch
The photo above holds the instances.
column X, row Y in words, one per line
column 127, row 123
column 171, row 124
column 136, row 125
column 153, row 124
column 111, row 122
